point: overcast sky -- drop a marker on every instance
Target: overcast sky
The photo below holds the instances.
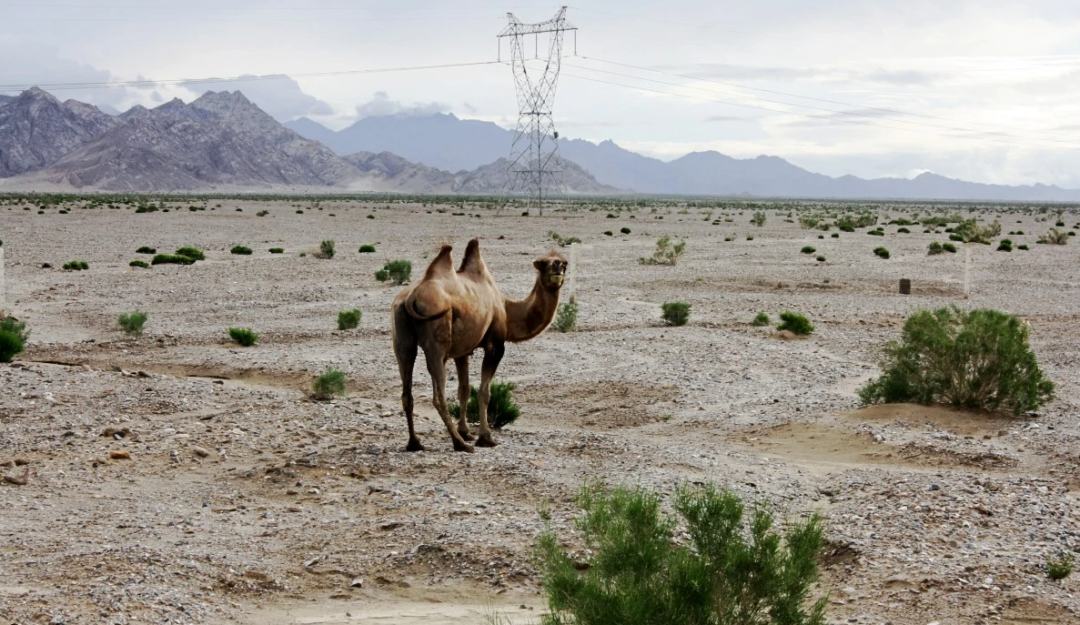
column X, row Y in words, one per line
column 985, row 90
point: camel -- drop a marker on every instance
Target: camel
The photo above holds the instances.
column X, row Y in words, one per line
column 451, row 313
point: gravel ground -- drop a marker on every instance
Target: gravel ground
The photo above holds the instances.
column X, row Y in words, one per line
column 180, row 478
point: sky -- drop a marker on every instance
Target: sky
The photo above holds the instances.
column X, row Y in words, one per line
column 985, row 90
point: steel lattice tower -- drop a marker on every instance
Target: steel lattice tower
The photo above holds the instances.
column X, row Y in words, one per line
column 533, row 169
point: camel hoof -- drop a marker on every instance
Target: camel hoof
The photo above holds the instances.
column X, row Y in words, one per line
column 414, row 445
column 463, row 446
column 486, row 440
column 466, row 435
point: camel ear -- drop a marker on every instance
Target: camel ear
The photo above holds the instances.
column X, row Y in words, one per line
column 540, row 264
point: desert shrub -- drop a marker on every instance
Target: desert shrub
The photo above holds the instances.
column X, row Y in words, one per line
column 1054, row 236
column 193, row 253
column 1022, row 246
column 1005, row 246
column 262, row 213
column 1060, row 224
column 502, row 410
column 734, row 571
column 878, row 232
column 820, row 259
column 277, row 250
column 881, row 252
column 1060, row 567
column 835, row 235
column 749, row 237
column 566, row 317
column 243, row 336
column 146, row 250
column 903, row 231
column 795, row 323
column 675, row 313
column 969, row 231
column 13, row 337
column 241, row 250
column 348, row 319
column 949, row 247
column 142, row 264
column 366, row 249
column 624, row 230
column 807, row 222
column 398, row 271
column 326, row 249
column 328, row 385
column 609, row 233
column 934, row 249
column 76, row 265
column 956, row 237
column 561, row 240
column 132, row 323
column 171, row 259
column 758, row 219
column 977, row 359
column 760, row 320
column 665, row 253
column 808, row 249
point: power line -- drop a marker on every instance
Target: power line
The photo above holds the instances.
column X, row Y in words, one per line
column 246, row 78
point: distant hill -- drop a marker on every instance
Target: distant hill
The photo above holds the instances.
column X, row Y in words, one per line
column 36, row 129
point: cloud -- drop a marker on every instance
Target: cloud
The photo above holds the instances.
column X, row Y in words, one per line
column 279, row 95
column 900, row 78
column 726, row 118
column 721, row 71
column 382, row 106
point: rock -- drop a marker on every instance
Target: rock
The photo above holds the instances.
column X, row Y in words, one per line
column 120, row 454
column 200, row 451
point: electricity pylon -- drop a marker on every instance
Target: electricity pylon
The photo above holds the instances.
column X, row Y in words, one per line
column 533, row 169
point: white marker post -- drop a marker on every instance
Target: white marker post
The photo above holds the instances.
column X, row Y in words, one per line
column 967, row 272
column 572, row 271
column 3, row 309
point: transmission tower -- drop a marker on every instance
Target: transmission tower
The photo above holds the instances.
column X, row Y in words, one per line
column 533, row 169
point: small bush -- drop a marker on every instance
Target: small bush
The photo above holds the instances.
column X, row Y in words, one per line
column 146, row 250
column 729, row 570
column 934, row 249
column 1005, row 246
column 675, row 313
column 1060, row 567
column 502, row 410
column 132, row 323
column 1054, row 236
column 881, row 252
column 758, row 219
column 76, row 265
column 13, row 337
column 277, row 250
column 624, row 230
column 241, row 250
column 326, row 249
column 665, row 253
column 348, row 319
column 566, row 317
column 367, row 249
column 808, row 249
column 977, row 359
column 142, row 264
column 761, row 320
column 398, row 271
column 903, row 231
column 328, row 385
column 561, row 240
column 1022, row 246
column 172, row 259
column 835, row 235
column 243, row 336
column 820, row 259
column 609, row 233
column 193, row 253
column 949, row 247
column 262, row 213
column 749, row 237
column 795, row 323
column 876, row 233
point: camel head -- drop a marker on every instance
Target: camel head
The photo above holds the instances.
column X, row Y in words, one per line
column 551, row 269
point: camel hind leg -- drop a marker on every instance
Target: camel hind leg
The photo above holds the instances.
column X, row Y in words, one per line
column 405, row 348
column 437, row 369
column 463, row 397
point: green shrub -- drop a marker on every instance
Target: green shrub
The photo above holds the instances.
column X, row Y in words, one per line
column 977, row 359
column 665, row 253
column 172, row 259
column 193, row 253
column 241, row 250
column 609, row 233
column 243, row 336
column 934, row 249
column 502, row 410
column 132, row 323
column 328, row 385
column 326, row 249
column 835, row 235
column 561, row 240
column 1005, row 246
column 13, row 337
column 795, row 323
column 566, row 317
column 808, row 249
column 876, row 233
column 761, row 320
column 1060, row 567
column 146, row 250
column 675, row 313
column 1022, row 246
column 881, row 252
column 758, row 219
column 1054, row 236
column 969, row 231
column 367, row 249
column 142, row 264
column 348, row 319
column 398, row 271
column 734, row 571
column 277, row 250
column 820, row 259
column 624, row 230
column 76, row 265
column 949, row 247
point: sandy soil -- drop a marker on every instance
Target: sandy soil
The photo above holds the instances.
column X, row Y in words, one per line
column 245, row 501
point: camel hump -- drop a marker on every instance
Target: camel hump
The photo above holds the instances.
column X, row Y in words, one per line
column 473, row 262
column 442, row 264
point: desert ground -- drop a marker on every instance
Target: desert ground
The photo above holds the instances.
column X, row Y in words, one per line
column 178, row 477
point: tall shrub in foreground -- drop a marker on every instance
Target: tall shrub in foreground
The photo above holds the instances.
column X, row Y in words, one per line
column 132, row 323
column 795, row 322
column 13, row 337
column 328, row 385
column 502, row 410
column 733, row 572
column 977, row 359
column 397, row 271
column 675, row 313
column 244, row 336
column 566, row 317
column 348, row 319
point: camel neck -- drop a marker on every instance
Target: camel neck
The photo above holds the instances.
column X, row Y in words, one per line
column 527, row 318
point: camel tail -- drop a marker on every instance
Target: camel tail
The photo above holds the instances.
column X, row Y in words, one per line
column 410, row 307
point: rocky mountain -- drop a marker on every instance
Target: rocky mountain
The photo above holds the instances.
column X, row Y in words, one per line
column 5, row 98
column 36, row 129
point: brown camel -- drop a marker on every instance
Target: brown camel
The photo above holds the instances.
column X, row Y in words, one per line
column 451, row 313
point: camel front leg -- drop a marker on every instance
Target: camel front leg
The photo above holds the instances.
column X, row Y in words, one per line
column 492, row 358
column 463, row 397
column 437, row 369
